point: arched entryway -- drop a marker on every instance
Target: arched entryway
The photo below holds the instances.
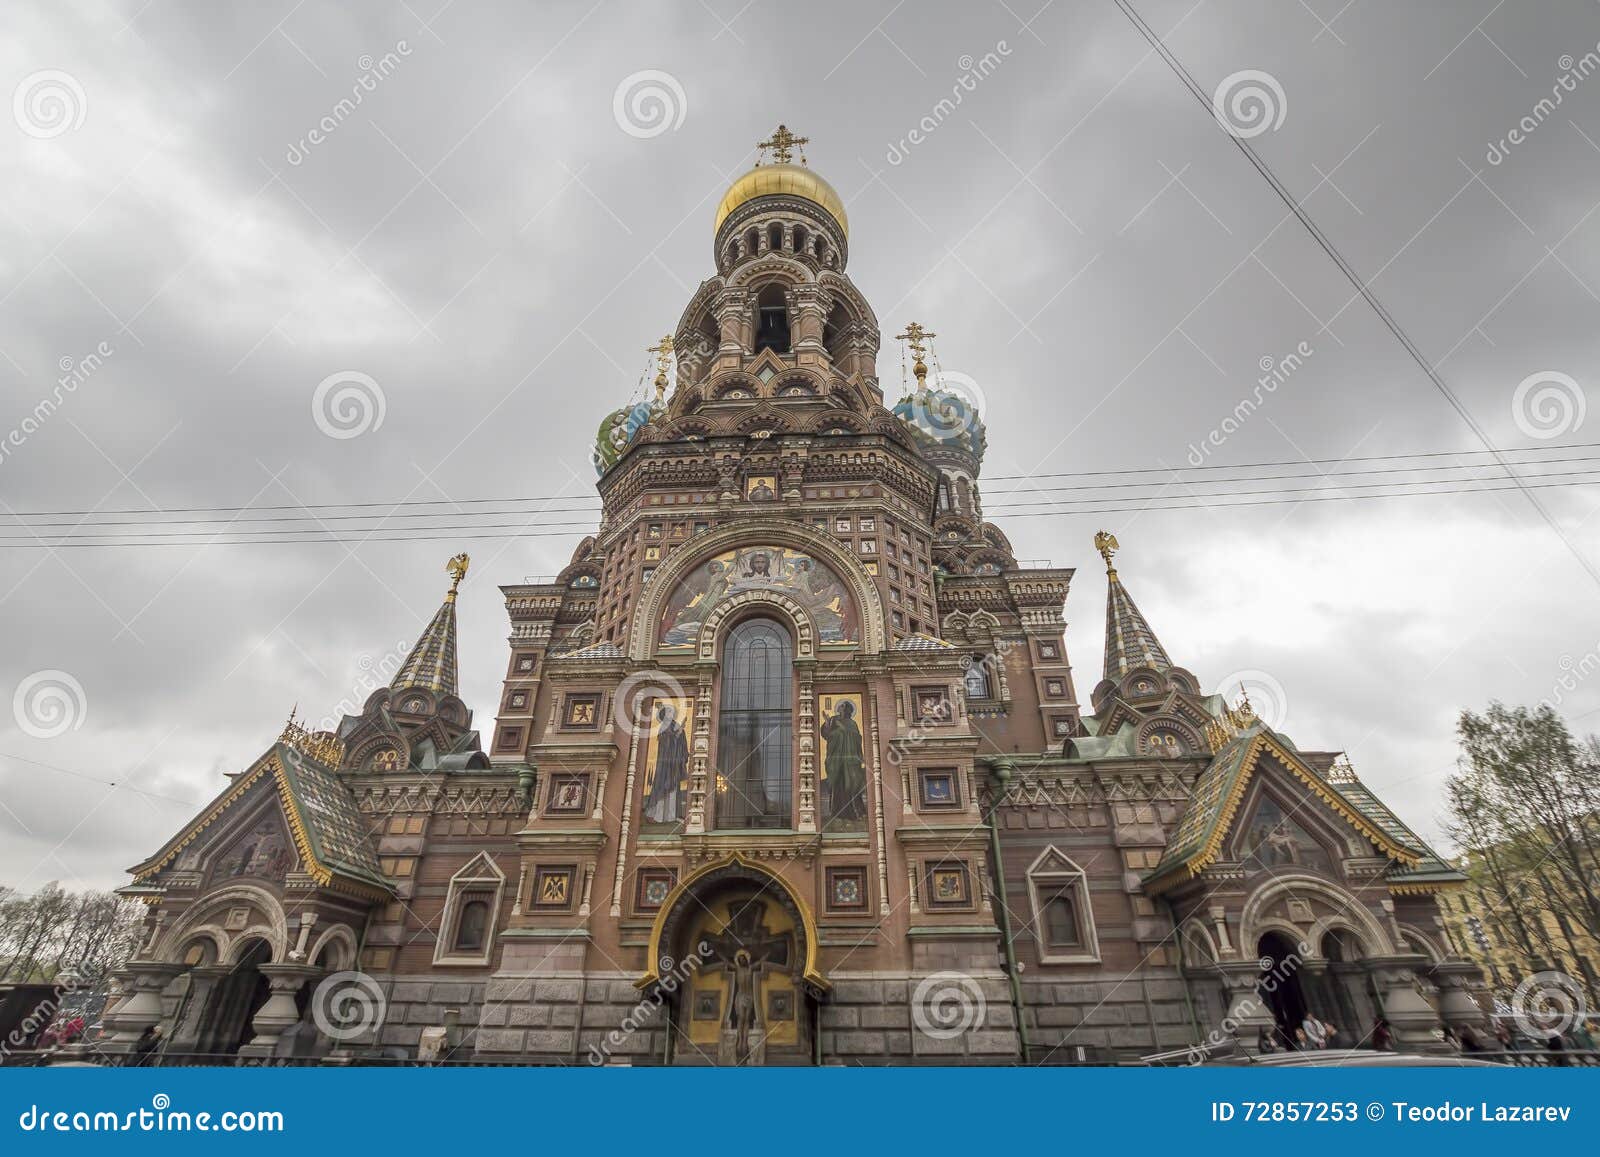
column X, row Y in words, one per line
column 1347, row 995
column 1280, row 983
column 225, row 1022
column 733, row 956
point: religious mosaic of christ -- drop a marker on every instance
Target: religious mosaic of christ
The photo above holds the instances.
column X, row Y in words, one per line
column 1273, row 840
column 809, row 582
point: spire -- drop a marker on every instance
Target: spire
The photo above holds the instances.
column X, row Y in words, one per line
column 1130, row 642
column 432, row 662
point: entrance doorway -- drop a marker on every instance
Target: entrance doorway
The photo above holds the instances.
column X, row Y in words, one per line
column 1280, row 985
column 226, row 1023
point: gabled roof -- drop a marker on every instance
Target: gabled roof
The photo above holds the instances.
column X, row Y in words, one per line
column 1430, row 871
column 1197, row 840
column 918, row 641
column 329, row 831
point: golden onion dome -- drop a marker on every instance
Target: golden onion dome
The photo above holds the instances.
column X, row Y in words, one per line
column 792, row 180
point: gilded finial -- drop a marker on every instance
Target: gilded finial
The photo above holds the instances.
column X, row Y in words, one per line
column 457, row 568
column 781, row 144
column 1106, row 543
column 916, row 337
column 663, row 353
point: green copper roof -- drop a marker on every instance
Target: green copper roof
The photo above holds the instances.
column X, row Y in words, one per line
column 1217, row 794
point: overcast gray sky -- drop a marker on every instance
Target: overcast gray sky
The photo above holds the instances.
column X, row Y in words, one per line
column 494, row 244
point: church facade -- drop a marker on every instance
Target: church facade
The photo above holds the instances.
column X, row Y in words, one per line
column 790, row 766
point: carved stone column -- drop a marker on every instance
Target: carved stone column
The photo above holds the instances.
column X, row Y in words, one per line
column 203, row 982
column 1247, row 1013
column 806, row 820
column 700, row 753
column 284, row 982
column 1411, row 1015
column 1456, row 980
column 143, row 982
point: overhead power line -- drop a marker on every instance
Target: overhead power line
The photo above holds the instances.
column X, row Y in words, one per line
column 1361, row 287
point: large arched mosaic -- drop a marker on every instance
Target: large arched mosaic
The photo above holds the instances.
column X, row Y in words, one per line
column 813, row 584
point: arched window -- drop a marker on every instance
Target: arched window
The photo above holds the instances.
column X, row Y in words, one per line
column 472, row 925
column 976, row 678
column 755, row 729
column 772, row 320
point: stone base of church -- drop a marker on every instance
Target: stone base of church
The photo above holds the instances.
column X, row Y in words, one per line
column 1103, row 1021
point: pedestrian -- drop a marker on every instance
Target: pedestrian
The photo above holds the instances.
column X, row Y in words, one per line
column 1382, row 1038
column 1469, row 1040
column 1330, row 1035
column 1582, row 1038
column 1502, row 1037
column 146, row 1045
column 1558, row 1049
column 1311, row 1029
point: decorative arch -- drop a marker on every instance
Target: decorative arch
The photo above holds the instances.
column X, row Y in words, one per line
column 713, row 631
column 342, row 937
column 1254, row 919
column 1423, row 941
column 773, row 266
column 683, row 901
column 201, row 916
column 822, row 547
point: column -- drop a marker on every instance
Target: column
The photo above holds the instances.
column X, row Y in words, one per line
column 1248, row 1015
column 806, row 805
column 143, row 982
column 1412, row 1016
column 1458, row 1008
column 203, row 982
column 280, row 1012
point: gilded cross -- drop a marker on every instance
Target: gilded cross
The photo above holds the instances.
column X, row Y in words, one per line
column 663, row 354
column 782, row 143
column 916, row 335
